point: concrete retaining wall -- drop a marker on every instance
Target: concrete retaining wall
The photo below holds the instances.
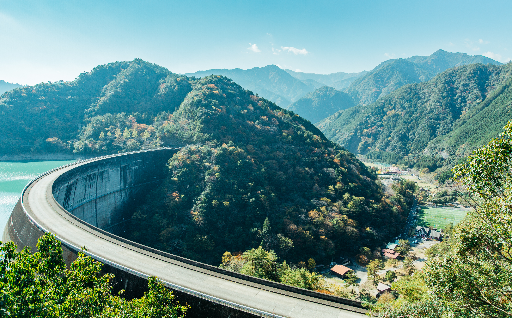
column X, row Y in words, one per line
column 103, row 193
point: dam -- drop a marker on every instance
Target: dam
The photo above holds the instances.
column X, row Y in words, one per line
column 88, row 203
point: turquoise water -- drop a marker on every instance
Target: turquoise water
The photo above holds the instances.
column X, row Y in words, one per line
column 14, row 175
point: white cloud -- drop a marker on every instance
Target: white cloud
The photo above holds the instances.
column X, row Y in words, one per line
column 276, row 51
column 496, row 57
column 390, row 55
column 254, row 48
column 298, row 70
column 294, row 50
column 483, row 42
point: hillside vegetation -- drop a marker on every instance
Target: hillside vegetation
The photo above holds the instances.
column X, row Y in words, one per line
column 252, row 162
column 429, row 124
column 245, row 160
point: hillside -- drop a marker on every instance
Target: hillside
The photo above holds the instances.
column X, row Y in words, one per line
column 269, row 82
column 4, row 86
column 321, row 104
column 427, row 123
column 393, row 74
column 245, row 161
column 366, row 87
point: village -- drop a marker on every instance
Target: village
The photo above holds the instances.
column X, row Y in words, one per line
column 429, row 222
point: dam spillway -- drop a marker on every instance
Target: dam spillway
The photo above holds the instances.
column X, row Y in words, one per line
column 88, row 203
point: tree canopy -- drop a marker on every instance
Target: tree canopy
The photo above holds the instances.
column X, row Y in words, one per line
column 39, row 285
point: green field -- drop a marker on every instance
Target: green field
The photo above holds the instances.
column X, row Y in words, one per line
column 440, row 217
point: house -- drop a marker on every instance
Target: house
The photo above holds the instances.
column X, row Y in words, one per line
column 340, row 270
column 387, row 253
column 383, row 288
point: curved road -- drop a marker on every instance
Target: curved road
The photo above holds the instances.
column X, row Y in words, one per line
column 43, row 209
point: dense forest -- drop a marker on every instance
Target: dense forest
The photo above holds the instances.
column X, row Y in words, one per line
column 431, row 124
column 244, row 160
column 258, row 163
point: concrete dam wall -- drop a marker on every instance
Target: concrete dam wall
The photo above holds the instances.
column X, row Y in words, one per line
column 89, row 203
column 104, row 193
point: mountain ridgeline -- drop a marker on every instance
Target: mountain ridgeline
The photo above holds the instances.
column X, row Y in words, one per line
column 381, row 81
column 250, row 173
column 4, row 86
column 429, row 124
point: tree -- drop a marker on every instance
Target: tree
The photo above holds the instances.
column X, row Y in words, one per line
column 403, row 248
column 39, row 285
column 372, row 269
column 476, row 274
column 390, row 276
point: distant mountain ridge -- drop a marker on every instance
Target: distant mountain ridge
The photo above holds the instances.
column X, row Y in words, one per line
column 338, row 80
column 384, row 79
column 321, row 103
column 4, row 86
column 270, row 82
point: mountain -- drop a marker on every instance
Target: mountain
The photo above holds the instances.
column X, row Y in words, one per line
column 367, row 87
column 432, row 123
column 245, row 163
column 393, row 74
column 337, row 80
column 4, row 86
column 321, row 104
column 270, row 82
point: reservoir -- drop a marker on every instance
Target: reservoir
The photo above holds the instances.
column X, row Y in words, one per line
column 14, row 175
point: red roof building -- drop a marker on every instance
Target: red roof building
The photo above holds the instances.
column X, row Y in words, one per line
column 340, row 270
column 390, row 253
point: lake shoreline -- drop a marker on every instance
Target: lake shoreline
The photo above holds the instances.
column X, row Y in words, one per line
column 44, row 157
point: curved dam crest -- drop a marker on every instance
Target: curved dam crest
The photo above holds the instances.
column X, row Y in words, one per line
column 88, row 204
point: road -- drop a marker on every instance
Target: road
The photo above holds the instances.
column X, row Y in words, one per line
column 41, row 206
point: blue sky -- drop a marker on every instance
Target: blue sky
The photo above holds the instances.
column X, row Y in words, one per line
column 43, row 40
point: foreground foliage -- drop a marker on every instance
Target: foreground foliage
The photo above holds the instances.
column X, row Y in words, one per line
column 264, row 264
column 39, row 285
column 470, row 275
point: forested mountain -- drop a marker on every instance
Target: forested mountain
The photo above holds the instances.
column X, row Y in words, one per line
column 432, row 122
column 366, row 87
column 321, row 104
column 269, row 82
column 393, row 74
column 338, row 80
column 246, row 162
column 4, row 86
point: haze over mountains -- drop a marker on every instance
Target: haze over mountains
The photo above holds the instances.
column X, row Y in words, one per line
column 286, row 87
column 4, row 86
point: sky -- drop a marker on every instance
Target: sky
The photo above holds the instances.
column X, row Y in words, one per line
column 51, row 40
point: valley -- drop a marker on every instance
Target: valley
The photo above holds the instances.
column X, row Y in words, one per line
column 354, row 166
